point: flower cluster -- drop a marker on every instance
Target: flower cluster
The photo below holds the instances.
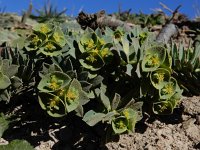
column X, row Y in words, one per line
column 46, row 39
column 59, row 94
column 95, row 51
column 157, row 63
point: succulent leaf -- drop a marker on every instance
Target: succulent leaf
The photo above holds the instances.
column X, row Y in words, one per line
column 4, row 81
column 54, row 106
column 159, row 77
column 168, row 89
column 163, row 108
column 92, row 117
column 119, row 125
column 53, row 81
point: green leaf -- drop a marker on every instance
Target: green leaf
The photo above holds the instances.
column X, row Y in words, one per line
column 159, row 77
column 75, row 96
column 4, row 124
column 110, row 116
column 92, row 118
column 168, row 89
column 91, row 61
column 8, row 36
column 54, row 106
column 105, row 99
column 58, row 37
column 72, row 104
column 88, row 42
column 50, row 48
column 9, row 69
column 119, row 125
column 79, row 111
column 5, row 95
column 43, row 28
column 17, row 145
column 167, row 64
column 16, row 82
column 96, row 81
column 86, row 86
column 176, row 97
column 129, row 69
column 34, row 41
column 137, row 107
column 132, row 117
column 163, row 108
column 125, row 44
column 181, row 52
column 18, row 43
column 60, row 80
column 4, row 81
column 115, row 101
column 47, row 68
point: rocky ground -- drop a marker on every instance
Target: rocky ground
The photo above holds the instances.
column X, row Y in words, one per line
column 176, row 133
column 180, row 131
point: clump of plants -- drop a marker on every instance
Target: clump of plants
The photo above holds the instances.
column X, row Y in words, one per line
column 101, row 77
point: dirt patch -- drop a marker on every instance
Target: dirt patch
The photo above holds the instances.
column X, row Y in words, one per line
column 179, row 131
column 166, row 136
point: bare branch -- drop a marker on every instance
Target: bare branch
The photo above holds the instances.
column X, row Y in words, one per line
column 101, row 20
column 166, row 33
column 169, row 29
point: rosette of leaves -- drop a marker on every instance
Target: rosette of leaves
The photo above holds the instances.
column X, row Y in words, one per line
column 163, row 108
column 169, row 95
column 34, row 41
column 159, row 77
column 59, row 94
column 75, row 97
column 48, row 86
column 166, row 107
column 168, row 89
column 46, row 39
column 115, row 35
column 53, row 81
column 95, row 52
column 125, row 122
column 121, row 118
column 154, row 57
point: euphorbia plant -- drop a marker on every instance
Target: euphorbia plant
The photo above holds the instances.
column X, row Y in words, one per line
column 95, row 51
column 46, row 39
column 59, row 94
column 153, row 59
column 100, row 76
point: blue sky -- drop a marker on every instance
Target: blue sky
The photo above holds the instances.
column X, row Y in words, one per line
column 189, row 7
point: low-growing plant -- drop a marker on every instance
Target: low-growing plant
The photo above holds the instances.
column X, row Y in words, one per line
column 101, row 77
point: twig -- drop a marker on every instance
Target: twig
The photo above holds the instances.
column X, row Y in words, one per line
column 165, row 7
column 27, row 13
column 171, row 11
column 174, row 13
column 169, row 29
